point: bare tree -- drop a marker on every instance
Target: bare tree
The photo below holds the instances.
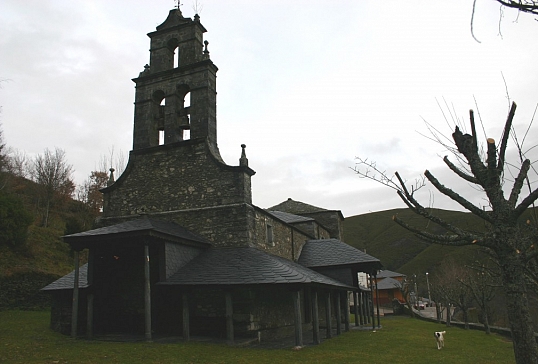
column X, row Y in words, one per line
column 525, row 6
column 509, row 237
column 115, row 160
column 53, row 175
column 89, row 192
column 447, row 280
column 405, row 289
column 17, row 162
column 481, row 281
column 3, row 159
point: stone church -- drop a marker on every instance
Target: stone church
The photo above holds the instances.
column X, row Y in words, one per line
column 181, row 250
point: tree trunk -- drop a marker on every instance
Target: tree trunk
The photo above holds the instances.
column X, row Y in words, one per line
column 45, row 220
column 465, row 310
column 486, row 323
column 525, row 348
column 448, row 314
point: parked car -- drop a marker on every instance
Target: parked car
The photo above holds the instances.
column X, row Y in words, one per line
column 419, row 305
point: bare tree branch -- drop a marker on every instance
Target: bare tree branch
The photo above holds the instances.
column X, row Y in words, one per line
column 518, row 183
column 459, row 172
column 525, row 6
column 506, row 134
column 456, row 197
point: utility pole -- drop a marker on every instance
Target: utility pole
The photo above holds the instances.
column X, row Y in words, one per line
column 429, row 295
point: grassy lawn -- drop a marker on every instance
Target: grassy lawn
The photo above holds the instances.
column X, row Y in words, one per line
column 26, row 338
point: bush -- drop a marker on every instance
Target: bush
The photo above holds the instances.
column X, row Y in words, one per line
column 22, row 291
column 14, row 221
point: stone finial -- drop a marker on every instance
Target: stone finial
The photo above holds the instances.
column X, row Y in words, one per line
column 111, row 179
column 243, row 161
column 196, row 17
column 206, row 52
column 145, row 71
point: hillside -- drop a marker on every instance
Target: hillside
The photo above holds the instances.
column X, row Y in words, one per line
column 400, row 250
column 43, row 257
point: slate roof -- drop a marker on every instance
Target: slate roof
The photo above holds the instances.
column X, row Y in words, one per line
column 66, row 282
column 295, row 207
column 290, row 218
column 142, row 226
column 245, row 266
column 385, row 273
column 388, row 283
column 333, row 252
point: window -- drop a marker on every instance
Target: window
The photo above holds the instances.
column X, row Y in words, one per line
column 176, row 57
column 269, row 235
column 160, row 123
column 186, row 106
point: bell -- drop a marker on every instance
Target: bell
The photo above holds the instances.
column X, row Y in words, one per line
column 184, row 122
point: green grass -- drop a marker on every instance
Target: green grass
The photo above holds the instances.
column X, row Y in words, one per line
column 26, row 338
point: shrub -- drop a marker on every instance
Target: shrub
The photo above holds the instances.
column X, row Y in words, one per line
column 22, row 291
column 14, row 221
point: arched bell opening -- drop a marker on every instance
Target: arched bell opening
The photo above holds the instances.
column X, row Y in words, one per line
column 184, row 110
column 172, row 45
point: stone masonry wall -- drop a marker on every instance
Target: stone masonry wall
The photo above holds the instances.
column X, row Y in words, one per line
column 226, row 225
column 332, row 220
column 314, row 229
column 171, row 178
column 287, row 240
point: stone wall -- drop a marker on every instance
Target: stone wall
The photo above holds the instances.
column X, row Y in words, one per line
column 332, row 220
column 312, row 228
column 287, row 241
column 171, row 178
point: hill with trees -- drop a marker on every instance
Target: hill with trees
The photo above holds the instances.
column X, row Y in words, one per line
column 401, row 250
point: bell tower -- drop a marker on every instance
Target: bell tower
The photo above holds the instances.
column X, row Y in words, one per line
column 179, row 70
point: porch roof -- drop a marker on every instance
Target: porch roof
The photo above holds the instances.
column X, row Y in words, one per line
column 333, row 252
column 388, row 283
column 385, row 273
column 66, row 282
column 138, row 228
column 230, row 266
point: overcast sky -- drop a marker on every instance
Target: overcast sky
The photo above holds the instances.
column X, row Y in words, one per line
column 306, row 85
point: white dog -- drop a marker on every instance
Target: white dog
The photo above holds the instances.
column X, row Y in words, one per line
column 440, row 338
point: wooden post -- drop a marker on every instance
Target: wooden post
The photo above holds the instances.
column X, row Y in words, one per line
column 361, row 307
column 377, row 302
column 229, row 318
column 315, row 318
column 328, row 316
column 356, row 307
column 89, row 317
column 186, row 324
column 91, row 294
column 147, row 294
column 372, row 300
column 298, row 321
column 338, row 314
column 366, row 308
column 346, row 312
column 74, row 307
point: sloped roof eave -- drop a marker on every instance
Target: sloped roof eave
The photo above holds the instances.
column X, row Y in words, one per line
column 138, row 228
column 325, row 253
column 240, row 266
